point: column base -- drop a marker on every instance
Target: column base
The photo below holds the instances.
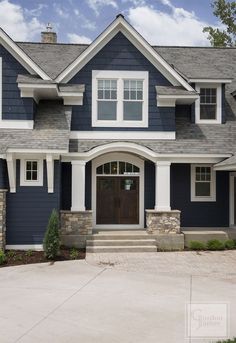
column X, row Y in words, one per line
column 76, row 227
column 163, row 222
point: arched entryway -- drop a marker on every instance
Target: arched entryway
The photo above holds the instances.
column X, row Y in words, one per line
column 118, row 191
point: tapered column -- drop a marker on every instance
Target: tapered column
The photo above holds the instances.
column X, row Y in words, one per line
column 162, row 199
column 78, row 186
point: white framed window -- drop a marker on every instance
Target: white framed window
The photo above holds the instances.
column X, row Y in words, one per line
column 119, row 98
column 203, row 183
column 31, row 172
column 209, row 105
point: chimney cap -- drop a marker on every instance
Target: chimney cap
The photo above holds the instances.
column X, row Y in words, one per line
column 49, row 27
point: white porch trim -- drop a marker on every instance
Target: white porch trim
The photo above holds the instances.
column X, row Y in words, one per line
column 78, row 186
column 11, row 168
column 35, row 247
column 162, row 191
column 126, row 135
column 231, row 199
column 125, row 158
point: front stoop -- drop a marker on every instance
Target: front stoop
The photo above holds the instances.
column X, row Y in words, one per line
column 124, row 241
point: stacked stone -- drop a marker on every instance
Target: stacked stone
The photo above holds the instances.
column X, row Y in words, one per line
column 2, row 219
column 163, row 222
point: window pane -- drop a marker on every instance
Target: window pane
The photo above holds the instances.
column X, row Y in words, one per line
column 34, row 175
column 106, row 110
column 139, row 95
column 100, row 94
column 129, row 168
column 126, row 94
column 28, row 176
column 107, row 169
column 133, row 110
column 113, row 167
column 203, row 189
column 99, row 170
column 121, row 167
column 136, row 169
column 208, row 112
column 35, row 165
column 28, row 165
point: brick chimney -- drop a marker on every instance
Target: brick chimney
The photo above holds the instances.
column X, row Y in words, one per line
column 48, row 36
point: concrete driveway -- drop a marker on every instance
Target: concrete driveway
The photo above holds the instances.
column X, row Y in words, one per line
column 113, row 297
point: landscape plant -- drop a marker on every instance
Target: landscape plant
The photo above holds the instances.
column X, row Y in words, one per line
column 51, row 242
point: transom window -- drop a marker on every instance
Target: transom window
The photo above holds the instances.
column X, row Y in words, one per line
column 203, row 183
column 117, row 168
column 208, row 103
column 31, row 171
column 120, row 98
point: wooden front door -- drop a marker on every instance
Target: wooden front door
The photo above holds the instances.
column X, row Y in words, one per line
column 117, row 200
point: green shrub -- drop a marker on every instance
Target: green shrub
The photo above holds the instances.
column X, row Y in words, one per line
column 74, row 254
column 11, row 254
column 230, row 244
column 2, row 257
column 29, row 253
column 228, row 341
column 215, row 244
column 196, row 245
column 51, row 242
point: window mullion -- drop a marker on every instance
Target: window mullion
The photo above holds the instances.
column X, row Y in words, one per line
column 120, row 100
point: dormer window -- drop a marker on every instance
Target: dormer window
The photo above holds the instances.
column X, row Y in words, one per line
column 208, row 107
column 119, row 98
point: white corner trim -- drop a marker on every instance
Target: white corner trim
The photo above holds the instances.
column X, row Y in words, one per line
column 162, row 186
column 78, row 185
column 11, row 168
column 232, row 199
column 50, row 172
column 120, row 75
column 35, row 183
column 126, row 135
column 21, row 56
column 121, row 25
column 212, row 197
column 118, row 156
column 36, row 247
column 218, row 119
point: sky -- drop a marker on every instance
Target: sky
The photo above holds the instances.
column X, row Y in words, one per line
column 161, row 22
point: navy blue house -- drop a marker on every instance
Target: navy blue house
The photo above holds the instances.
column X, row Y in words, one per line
column 115, row 135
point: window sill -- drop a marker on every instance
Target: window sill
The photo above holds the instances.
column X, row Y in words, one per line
column 117, row 124
column 203, row 199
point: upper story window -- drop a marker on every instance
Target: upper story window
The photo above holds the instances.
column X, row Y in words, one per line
column 31, row 172
column 119, row 98
column 209, row 106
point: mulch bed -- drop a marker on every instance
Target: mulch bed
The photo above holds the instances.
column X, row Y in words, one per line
column 20, row 257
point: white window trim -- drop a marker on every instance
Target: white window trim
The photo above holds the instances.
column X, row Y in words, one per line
column 23, row 181
column 119, row 75
column 218, row 119
column 212, row 197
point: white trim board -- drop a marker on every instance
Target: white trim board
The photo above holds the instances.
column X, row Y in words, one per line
column 127, row 135
column 21, row 56
column 121, row 25
column 125, row 158
column 36, row 247
column 231, row 199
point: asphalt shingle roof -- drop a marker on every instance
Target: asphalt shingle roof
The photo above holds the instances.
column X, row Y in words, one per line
column 51, row 130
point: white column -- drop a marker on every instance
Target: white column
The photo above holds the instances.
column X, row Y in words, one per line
column 78, row 186
column 162, row 200
column 50, row 172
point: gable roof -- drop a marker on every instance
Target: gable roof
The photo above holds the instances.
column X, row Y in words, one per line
column 121, row 25
column 21, row 56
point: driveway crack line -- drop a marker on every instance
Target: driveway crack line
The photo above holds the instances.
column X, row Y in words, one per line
column 61, row 304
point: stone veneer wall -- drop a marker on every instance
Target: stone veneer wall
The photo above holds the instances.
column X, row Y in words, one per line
column 2, row 219
column 163, row 222
column 76, row 227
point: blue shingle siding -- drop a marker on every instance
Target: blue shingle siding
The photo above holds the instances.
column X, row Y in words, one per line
column 121, row 54
column 3, row 174
column 66, row 186
column 28, row 209
column 13, row 106
column 199, row 214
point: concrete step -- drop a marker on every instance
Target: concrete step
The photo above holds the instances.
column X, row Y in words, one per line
column 121, row 242
column 203, row 236
column 115, row 249
column 120, row 236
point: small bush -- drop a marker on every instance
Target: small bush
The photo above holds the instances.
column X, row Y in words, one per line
column 215, row 244
column 228, row 341
column 230, row 244
column 11, row 254
column 74, row 254
column 51, row 242
column 29, row 253
column 2, row 257
column 196, row 245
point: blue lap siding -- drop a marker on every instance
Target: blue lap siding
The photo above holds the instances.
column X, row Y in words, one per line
column 194, row 214
column 13, row 106
column 28, row 209
column 121, row 54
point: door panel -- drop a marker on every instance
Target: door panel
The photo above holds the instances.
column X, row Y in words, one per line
column 117, row 200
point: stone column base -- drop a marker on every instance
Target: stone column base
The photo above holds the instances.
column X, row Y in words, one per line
column 76, row 227
column 2, row 219
column 163, row 222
